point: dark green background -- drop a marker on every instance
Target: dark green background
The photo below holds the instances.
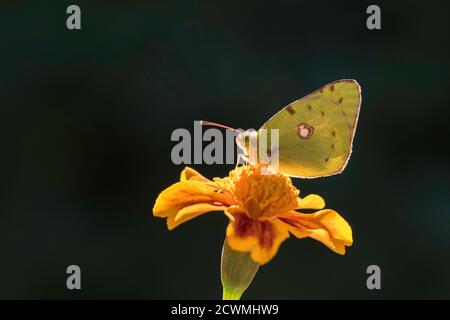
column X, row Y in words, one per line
column 86, row 118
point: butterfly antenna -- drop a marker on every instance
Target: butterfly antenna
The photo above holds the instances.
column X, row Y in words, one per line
column 214, row 124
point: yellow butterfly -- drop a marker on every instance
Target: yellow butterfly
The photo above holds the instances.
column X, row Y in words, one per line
column 315, row 132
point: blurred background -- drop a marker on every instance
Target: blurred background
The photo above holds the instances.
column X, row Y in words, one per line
column 86, row 118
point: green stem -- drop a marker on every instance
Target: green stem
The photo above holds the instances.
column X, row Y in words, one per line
column 229, row 294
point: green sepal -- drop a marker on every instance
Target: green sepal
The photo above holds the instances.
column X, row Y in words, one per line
column 237, row 272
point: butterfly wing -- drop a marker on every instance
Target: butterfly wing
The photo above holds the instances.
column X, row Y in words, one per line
column 316, row 132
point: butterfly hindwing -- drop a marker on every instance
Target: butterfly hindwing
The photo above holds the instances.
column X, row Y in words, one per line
column 316, row 132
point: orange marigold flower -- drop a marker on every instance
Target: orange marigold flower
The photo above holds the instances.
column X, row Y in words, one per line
column 261, row 209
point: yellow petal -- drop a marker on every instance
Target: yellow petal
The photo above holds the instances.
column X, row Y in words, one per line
column 263, row 254
column 186, row 193
column 191, row 174
column 188, row 199
column 326, row 226
column 191, row 212
column 336, row 225
column 311, row 201
column 325, row 237
column 261, row 238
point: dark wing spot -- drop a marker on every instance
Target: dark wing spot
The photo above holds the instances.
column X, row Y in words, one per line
column 340, row 100
column 332, row 146
column 326, row 159
column 309, row 107
column 322, row 113
column 333, row 133
column 290, row 109
column 332, row 88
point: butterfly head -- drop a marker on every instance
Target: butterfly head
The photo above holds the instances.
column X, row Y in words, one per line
column 246, row 141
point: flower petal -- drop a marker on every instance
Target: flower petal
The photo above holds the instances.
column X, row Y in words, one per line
column 326, row 226
column 311, row 201
column 191, row 212
column 260, row 237
column 178, row 202
column 182, row 194
column 191, row 174
column 185, row 193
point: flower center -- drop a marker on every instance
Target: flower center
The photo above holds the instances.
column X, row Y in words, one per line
column 262, row 195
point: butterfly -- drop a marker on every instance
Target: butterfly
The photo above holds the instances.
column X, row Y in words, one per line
column 315, row 133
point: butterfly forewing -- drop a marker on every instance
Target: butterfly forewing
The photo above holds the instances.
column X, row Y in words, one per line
column 316, row 132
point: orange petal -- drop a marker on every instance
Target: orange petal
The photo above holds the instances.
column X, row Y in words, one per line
column 191, row 174
column 191, row 212
column 326, row 226
column 186, row 193
column 187, row 199
column 260, row 237
column 311, row 201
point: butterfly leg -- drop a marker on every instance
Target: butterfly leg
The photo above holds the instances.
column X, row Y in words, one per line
column 241, row 157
